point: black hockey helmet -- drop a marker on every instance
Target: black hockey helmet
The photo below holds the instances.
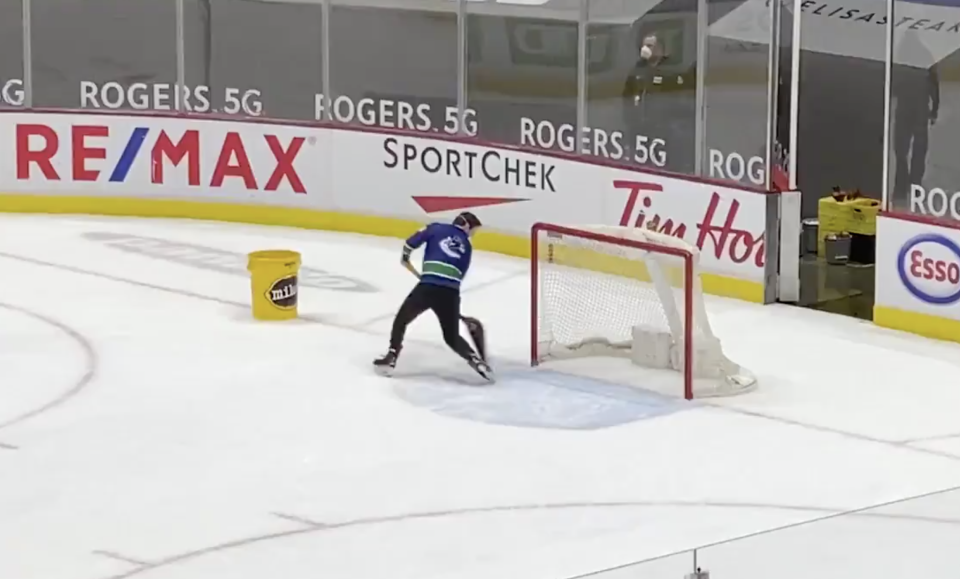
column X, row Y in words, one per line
column 467, row 220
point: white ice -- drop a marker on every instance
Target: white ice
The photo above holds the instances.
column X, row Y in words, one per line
column 150, row 428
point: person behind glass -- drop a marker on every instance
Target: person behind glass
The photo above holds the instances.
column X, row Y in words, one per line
column 916, row 95
column 649, row 106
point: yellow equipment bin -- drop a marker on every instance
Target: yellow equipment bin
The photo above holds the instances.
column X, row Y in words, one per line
column 273, row 281
column 851, row 216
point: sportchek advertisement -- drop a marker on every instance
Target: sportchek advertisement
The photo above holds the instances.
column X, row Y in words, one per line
column 371, row 173
column 510, row 189
column 918, row 266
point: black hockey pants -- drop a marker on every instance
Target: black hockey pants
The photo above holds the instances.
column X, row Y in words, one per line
column 445, row 303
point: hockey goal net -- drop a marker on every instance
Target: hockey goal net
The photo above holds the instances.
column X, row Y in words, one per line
column 627, row 292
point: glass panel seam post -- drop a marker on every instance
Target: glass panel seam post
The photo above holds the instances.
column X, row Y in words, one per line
column 795, row 90
column 887, row 105
column 325, row 88
column 27, row 54
column 773, row 76
column 206, row 18
column 582, row 32
column 181, row 57
column 700, row 115
column 462, row 65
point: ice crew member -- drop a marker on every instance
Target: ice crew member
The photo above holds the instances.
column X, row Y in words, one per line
column 446, row 260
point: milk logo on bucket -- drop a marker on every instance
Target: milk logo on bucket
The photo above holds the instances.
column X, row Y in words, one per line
column 929, row 267
column 283, row 292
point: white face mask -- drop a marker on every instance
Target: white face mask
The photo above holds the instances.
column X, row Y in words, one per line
column 646, row 52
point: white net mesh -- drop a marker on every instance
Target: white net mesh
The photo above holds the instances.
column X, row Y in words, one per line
column 610, row 298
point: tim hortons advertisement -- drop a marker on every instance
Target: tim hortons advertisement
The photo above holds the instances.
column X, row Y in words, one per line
column 918, row 267
column 421, row 178
column 161, row 157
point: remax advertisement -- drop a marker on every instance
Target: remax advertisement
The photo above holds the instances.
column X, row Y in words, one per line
column 111, row 155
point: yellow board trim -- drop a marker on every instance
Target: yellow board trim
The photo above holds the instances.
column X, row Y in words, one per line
column 493, row 241
column 917, row 323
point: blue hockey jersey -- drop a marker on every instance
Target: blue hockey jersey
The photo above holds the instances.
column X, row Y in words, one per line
column 446, row 258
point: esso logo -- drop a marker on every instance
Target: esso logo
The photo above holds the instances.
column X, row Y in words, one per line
column 929, row 268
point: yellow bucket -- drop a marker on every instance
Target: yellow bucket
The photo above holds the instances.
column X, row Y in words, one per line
column 273, row 281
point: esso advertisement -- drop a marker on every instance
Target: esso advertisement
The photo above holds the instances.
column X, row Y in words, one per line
column 918, row 266
column 94, row 153
column 929, row 267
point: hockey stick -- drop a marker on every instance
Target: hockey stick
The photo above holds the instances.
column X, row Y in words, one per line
column 474, row 326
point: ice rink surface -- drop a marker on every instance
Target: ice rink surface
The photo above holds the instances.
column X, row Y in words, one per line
column 150, row 428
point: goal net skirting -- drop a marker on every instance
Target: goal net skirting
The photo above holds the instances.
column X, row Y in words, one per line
column 626, row 292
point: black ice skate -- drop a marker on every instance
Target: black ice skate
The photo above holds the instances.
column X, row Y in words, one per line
column 385, row 365
column 482, row 368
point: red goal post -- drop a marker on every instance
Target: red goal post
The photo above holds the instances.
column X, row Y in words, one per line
column 626, row 292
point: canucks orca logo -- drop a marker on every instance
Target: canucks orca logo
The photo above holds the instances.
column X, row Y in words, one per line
column 453, row 247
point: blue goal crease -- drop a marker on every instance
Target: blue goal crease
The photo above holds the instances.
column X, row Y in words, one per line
column 542, row 399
